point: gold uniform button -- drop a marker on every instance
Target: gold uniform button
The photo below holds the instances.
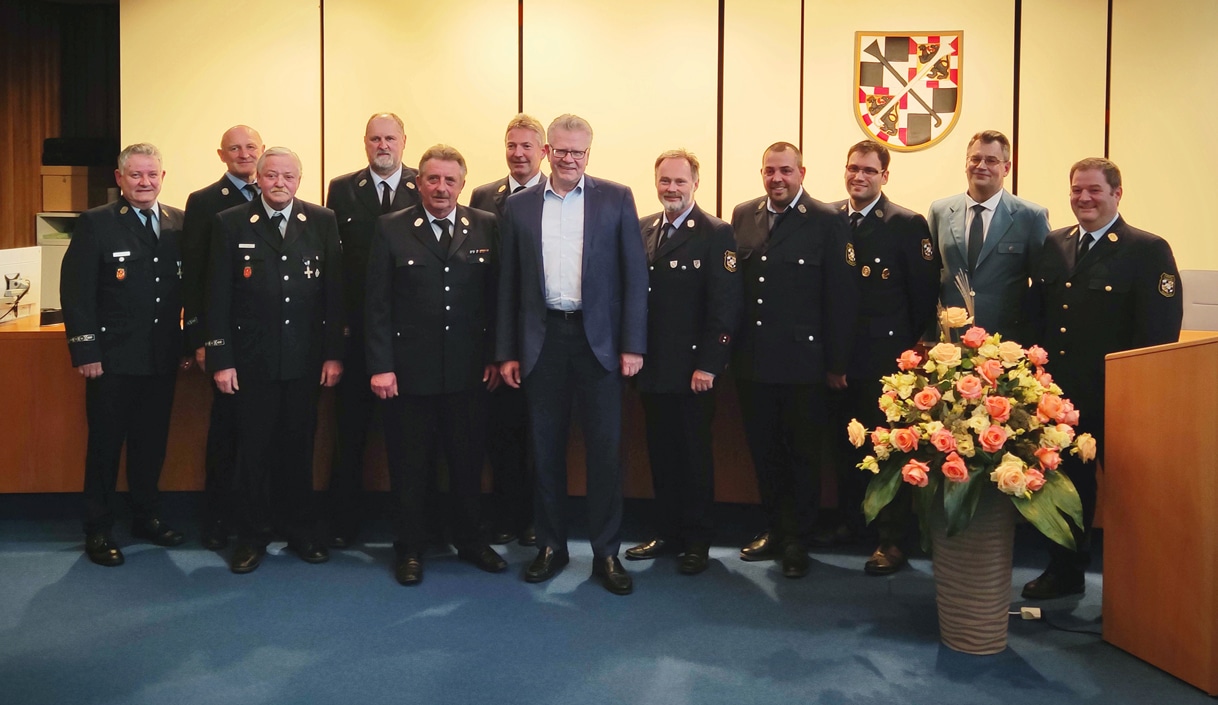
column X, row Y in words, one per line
column 1065, row 307
column 1063, row 329
column 1108, row 288
column 1067, row 285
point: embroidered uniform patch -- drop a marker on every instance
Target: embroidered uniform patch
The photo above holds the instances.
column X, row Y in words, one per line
column 729, row 260
column 928, row 250
column 1167, row 284
column 850, row 257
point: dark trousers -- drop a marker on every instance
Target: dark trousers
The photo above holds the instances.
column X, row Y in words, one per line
column 415, row 425
column 354, row 406
column 567, row 371
column 1091, row 420
column 507, row 446
column 219, row 488
column 131, row 409
column 783, row 424
column 682, row 464
column 276, row 423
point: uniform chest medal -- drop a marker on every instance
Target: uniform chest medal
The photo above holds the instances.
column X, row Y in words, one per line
column 310, row 271
column 247, row 272
column 120, row 273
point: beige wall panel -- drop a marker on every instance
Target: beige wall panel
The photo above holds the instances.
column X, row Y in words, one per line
column 643, row 73
column 760, row 90
column 917, row 178
column 190, row 69
column 1061, row 97
column 1163, row 96
column 448, row 69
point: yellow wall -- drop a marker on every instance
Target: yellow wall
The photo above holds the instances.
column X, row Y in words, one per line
column 1163, row 107
column 645, row 75
column 189, row 70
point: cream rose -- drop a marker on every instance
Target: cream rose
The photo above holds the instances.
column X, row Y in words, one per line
column 1010, row 477
column 1086, row 447
column 954, row 317
column 856, row 433
column 1009, row 352
column 945, row 354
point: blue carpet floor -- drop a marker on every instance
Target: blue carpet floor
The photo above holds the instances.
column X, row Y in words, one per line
column 174, row 627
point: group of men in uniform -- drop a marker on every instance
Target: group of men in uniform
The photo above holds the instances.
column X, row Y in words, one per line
column 490, row 327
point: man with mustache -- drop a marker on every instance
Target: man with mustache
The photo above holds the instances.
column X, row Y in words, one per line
column 240, row 147
column 693, row 309
column 275, row 332
column 430, row 317
column 358, row 199
column 122, row 304
column 507, row 441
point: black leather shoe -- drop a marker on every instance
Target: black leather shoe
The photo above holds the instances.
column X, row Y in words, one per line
column 647, row 551
column 157, row 532
column 409, row 570
column 546, row 565
column 246, row 558
column 612, row 575
column 886, row 560
column 102, row 550
column 501, row 537
column 214, row 535
column 795, row 562
column 528, row 537
column 483, row 557
column 1051, row 584
column 310, row 551
column 761, row 549
column 695, row 559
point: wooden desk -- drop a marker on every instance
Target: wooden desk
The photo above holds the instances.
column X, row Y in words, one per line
column 43, row 446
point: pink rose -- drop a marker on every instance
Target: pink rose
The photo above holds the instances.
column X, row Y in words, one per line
column 916, row 473
column 927, row 398
column 943, row 441
column 999, row 408
column 974, row 337
column 908, row 360
column 1035, row 479
column 970, row 386
column 990, row 371
column 993, row 438
column 1043, row 378
column 1038, row 356
column 1069, row 413
column 905, row 439
column 954, row 468
column 1049, row 408
column 1065, row 428
column 1049, row 458
column 879, row 436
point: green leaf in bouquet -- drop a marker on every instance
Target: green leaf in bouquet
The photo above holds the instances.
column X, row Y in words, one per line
column 880, row 491
column 960, row 499
column 1042, row 512
column 1065, row 496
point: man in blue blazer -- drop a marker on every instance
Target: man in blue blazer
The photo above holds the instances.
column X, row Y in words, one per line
column 572, row 322
column 997, row 251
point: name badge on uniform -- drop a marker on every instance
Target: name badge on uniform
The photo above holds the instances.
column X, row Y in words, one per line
column 124, row 253
column 246, row 246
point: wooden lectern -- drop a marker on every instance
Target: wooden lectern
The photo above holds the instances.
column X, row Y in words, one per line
column 1161, row 504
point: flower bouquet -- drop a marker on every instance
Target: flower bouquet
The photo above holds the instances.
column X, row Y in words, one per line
column 974, row 413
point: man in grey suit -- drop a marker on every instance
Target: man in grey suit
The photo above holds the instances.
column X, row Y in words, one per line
column 572, row 323
column 990, row 236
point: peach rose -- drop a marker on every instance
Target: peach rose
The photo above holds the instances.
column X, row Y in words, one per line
column 993, row 438
column 916, row 473
column 1069, row 413
column 974, row 337
column 1065, row 428
column 879, row 437
column 999, row 408
column 1086, row 447
column 1034, row 478
column 905, row 439
column 1038, row 356
column 1049, row 458
column 856, row 433
column 1009, row 352
column 908, row 360
column 1010, row 477
column 945, row 354
column 970, row 387
column 1049, row 408
column 927, row 397
column 1043, row 378
column 943, row 441
column 990, row 371
column 953, row 317
column 954, row 468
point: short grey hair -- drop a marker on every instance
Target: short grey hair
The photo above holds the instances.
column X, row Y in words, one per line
column 144, row 148
column 443, row 153
column 280, row 152
column 570, row 123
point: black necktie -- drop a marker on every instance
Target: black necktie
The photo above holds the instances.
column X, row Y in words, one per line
column 386, row 198
column 666, row 233
column 147, row 213
column 1084, row 243
column 274, row 223
column 976, row 237
column 251, row 191
column 777, row 218
column 518, row 189
column 856, row 219
column 446, row 237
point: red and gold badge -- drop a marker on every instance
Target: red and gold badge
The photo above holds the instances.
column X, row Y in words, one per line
column 120, row 273
column 247, row 272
